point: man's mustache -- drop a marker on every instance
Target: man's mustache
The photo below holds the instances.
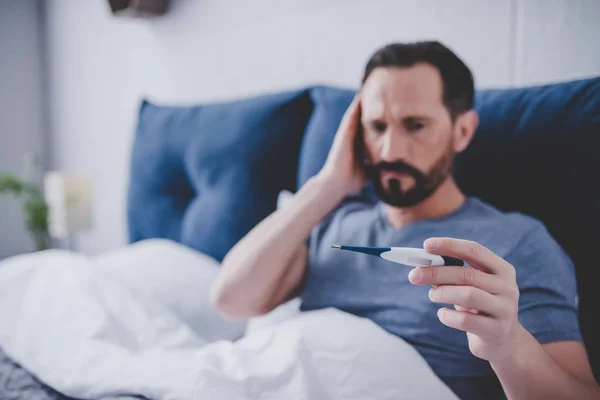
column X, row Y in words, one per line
column 396, row 166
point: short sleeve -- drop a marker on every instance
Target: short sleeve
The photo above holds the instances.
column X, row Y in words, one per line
column 314, row 239
column 548, row 303
column 348, row 204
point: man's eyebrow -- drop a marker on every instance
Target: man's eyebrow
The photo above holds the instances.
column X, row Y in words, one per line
column 417, row 117
column 372, row 119
column 424, row 118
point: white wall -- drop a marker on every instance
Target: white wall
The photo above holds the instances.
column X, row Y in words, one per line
column 100, row 66
column 21, row 114
column 557, row 39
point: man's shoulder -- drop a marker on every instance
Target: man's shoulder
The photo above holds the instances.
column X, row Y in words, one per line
column 533, row 240
column 511, row 234
column 515, row 222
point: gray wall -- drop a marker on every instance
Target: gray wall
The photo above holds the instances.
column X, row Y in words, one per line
column 21, row 112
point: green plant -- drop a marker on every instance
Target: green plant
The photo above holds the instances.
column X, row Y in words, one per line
column 35, row 208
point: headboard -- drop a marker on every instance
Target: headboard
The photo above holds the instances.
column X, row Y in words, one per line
column 205, row 175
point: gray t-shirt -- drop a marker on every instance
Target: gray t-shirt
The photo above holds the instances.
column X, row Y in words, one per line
column 379, row 290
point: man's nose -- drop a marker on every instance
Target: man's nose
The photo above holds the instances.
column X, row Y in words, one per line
column 394, row 147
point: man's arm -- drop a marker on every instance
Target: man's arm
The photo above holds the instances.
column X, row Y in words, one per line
column 267, row 266
column 486, row 298
column 552, row 371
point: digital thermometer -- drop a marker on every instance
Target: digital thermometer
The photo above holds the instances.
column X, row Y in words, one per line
column 404, row 255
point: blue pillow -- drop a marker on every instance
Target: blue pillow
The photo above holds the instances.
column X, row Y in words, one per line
column 330, row 104
column 535, row 151
column 205, row 175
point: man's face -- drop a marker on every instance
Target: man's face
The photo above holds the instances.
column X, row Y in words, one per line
column 408, row 133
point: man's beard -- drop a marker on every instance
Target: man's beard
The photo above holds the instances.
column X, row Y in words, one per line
column 424, row 184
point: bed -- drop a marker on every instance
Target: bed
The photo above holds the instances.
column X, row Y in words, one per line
column 18, row 384
column 204, row 175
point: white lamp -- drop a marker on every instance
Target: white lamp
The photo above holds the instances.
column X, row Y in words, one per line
column 69, row 200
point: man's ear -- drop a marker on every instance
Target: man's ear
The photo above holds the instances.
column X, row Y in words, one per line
column 465, row 126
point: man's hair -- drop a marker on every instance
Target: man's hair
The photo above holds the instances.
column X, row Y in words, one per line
column 458, row 87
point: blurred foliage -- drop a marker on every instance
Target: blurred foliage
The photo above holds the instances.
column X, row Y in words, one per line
column 34, row 206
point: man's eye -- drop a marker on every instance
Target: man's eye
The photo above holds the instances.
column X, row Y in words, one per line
column 379, row 127
column 414, row 126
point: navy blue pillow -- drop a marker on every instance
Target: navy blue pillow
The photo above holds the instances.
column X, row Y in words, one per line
column 330, row 104
column 205, row 175
column 535, row 151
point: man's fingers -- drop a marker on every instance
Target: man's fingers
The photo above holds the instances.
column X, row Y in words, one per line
column 471, row 310
column 351, row 115
column 480, row 325
column 468, row 297
column 348, row 125
column 473, row 253
column 461, row 276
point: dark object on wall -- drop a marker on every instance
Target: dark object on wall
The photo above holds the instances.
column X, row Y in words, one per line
column 138, row 8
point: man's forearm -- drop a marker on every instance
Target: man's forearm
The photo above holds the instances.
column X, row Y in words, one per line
column 528, row 372
column 253, row 269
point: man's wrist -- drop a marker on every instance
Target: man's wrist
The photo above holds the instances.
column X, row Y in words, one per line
column 330, row 186
column 516, row 350
column 318, row 196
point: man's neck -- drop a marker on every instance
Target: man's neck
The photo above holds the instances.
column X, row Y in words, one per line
column 445, row 200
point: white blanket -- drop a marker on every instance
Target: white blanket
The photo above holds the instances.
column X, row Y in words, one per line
column 136, row 322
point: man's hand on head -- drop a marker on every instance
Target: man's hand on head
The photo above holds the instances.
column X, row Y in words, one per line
column 342, row 171
column 485, row 296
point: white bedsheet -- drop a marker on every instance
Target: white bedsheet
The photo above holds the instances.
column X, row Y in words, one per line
column 94, row 327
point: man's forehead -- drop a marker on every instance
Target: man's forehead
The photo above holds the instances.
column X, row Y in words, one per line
column 412, row 90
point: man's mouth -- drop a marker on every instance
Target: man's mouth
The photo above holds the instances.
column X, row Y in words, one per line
column 387, row 175
column 396, row 180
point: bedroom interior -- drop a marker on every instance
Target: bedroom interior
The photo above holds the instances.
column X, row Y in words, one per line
column 188, row 123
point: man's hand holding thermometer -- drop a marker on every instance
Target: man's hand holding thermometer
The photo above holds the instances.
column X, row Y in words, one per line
column 485, row 294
